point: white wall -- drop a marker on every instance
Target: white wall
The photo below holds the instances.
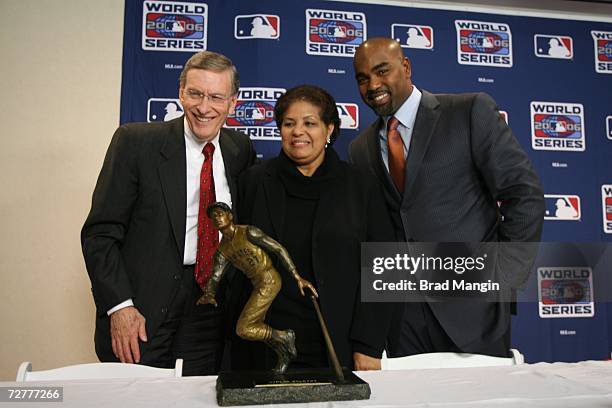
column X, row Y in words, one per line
column 60, row 77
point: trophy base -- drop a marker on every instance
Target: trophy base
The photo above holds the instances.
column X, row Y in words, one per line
column 264, row 387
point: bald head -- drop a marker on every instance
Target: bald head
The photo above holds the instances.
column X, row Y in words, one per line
column 383, row 74
column 388, row 45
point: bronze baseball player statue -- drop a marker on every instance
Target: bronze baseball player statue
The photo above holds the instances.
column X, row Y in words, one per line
column 246, row 247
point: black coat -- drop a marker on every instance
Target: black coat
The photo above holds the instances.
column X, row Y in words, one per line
column 351, row 210
column 463, row 161
column 134, row 237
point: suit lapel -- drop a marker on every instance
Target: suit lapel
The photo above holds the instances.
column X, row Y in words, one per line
column 275, row 199
column 424, row 126
column 229, row 151
column 173, row 177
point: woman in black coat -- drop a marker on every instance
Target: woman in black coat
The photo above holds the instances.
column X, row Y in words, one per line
column 320, row 209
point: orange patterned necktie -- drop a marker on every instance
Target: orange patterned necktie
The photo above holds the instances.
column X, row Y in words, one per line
column 208, row 235
column 397, row 162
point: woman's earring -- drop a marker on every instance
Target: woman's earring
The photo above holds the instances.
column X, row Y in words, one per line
column 327, row 142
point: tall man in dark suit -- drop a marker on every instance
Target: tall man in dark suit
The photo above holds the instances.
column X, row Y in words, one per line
column 146, row 227
column 445, row 161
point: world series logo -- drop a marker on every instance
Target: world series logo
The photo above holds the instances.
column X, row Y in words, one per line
column 254, row 113
column 413, row 36
column 482, row 43
column 565, row 292
column 553, row 46
column 602, row 41
column 557, row 126
column 170, row 26
column 259, row 26
column 334, row 33
column 562, row 207
column 606, row 207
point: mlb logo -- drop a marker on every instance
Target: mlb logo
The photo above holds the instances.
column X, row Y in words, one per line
column 334, row 33
column 254, row 113
column 483, row 43
column 553, row 46
column 554, row 291
column 349, row 115
column 174, row 26
column 504, row 115
column 609, row 127
column 606, row 207
column 562, row 207
column 602, row 41
column 557, row 126
column 163, row 109
column 260, row 26
column 565, row 292
column 413, row 36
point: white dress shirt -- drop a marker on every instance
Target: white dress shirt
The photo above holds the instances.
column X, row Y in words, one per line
column 406, row 114
column 195, row 159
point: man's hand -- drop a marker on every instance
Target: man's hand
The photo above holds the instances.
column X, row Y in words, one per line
column 365, row 363
column 127, row 325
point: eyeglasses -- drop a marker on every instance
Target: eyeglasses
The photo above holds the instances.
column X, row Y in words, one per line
column 214, row 99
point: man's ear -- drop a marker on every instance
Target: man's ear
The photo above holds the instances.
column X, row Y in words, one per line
column 407, row 67
column 232, row 107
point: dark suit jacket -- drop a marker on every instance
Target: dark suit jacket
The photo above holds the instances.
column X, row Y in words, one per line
column 134, row 237
column 350, row 211
column 463, row 159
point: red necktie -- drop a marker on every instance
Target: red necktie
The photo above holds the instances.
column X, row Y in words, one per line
column 208, row 235
column 397, row 162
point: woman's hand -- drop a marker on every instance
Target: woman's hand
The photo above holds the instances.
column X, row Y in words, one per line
column 364, row 363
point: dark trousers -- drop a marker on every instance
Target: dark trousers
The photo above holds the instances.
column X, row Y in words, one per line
column 191, row 332
column 419, row 331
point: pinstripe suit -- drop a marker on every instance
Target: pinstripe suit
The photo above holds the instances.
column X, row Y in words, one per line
column 463, row 159
column 134, row 237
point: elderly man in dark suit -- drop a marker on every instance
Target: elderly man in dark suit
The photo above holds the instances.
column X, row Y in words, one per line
column 445, row 162
column 147, row 242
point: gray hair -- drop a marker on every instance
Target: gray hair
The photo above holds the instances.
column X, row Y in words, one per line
column 211, row 61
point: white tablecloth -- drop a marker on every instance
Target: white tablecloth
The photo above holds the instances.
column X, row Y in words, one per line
column 559, row 385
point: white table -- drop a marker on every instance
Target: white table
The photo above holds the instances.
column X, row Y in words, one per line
column 559, row 385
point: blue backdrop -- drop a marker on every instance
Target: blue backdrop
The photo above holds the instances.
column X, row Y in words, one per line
column 552, row 78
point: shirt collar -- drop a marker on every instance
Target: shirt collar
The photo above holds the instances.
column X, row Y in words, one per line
column 406, row 114
column 193, row 143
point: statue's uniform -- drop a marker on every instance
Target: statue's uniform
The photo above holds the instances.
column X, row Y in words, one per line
column 255, row 263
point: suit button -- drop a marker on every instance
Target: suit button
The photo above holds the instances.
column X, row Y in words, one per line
column 164, row 310
column 176, row 277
